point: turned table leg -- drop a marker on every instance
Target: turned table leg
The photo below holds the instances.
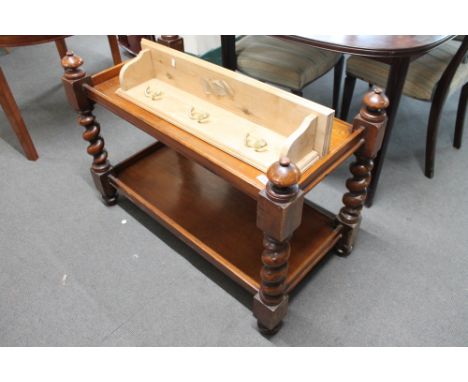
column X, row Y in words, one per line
column 350, row 214
column 372, row 118
column 279, row 213
column 395, row 83
column 115, row 49
column 73, row 80
column 100, row 167
column 12, row 112
column 61, row 47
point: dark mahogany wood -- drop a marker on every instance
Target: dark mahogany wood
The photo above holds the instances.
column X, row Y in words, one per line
column 438, row 101
column 216, row 203
column 394, row 90
column 115, row 50
column 377, row 46
column 349, row 85
column 373, row 118
column 398, row 51
column 228, row 51
column 13, row 114
column 395, row 86
column 61, row 47
column 337, row 77
column 457, row 141
column 172, row 41
column 187, row 198
column 73, row 81
column 7, row 41
column 6, row 97
column 279, row 213
column 350, row 214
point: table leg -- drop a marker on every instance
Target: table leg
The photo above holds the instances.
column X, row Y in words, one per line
column 395, row 83
column 372, row 118
column 115, row 49
column 73, row 80
column 279, row 213
column 16, row 120
column 228, row 51
column 61, row 47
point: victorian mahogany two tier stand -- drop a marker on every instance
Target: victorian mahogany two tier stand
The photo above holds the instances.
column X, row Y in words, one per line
column 264, row 237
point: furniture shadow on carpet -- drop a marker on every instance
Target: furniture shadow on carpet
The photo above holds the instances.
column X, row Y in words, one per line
column 187, row 253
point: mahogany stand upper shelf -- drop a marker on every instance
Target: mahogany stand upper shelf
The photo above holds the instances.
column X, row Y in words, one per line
column 218, row 205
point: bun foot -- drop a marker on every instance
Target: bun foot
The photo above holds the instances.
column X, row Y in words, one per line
column 268, row 332
column 429, row 172
column 109, row 201
column 344, row 252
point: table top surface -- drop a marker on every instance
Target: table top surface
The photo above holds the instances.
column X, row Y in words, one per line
column 22, row 40
column 374, row 45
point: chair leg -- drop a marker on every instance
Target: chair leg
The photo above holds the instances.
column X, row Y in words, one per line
column 348, row 91
column 297, row 92
column 13, row 114
column 438, row 101
column 431, row 138
column 338, row 75
column 457, row 141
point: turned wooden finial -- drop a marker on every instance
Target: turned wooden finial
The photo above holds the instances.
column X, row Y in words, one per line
column 71, row 63
column 372, row 117
column 283, row 177
column 374, row 104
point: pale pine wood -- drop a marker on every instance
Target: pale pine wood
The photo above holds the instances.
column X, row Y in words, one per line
column 225, row 130
column 279, row 110
column 140, row 71
column 292, row 126
column 245, row 177
column 241, row 174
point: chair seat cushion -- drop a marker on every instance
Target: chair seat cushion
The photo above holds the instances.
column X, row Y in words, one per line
column 423, row 74
column 289, row 64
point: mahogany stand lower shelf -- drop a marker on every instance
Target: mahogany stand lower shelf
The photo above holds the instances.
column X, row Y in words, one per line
column 266, row 237
column 214, row 218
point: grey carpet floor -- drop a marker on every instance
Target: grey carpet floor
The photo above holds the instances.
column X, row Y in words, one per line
column 71, row 274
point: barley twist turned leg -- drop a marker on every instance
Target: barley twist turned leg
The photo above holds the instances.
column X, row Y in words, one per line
column 273, row 277
column 275, row 269
column 100, row 166
column 279, row 213
column 74, row 79
column 372, row 119
column 353, row 201
column 96, row 142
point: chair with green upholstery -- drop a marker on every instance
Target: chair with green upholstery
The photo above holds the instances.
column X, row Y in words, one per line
column 288, row 64
column 432, row 77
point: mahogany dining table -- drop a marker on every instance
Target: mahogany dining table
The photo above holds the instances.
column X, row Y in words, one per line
column 397, row 51
column 8, row 102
